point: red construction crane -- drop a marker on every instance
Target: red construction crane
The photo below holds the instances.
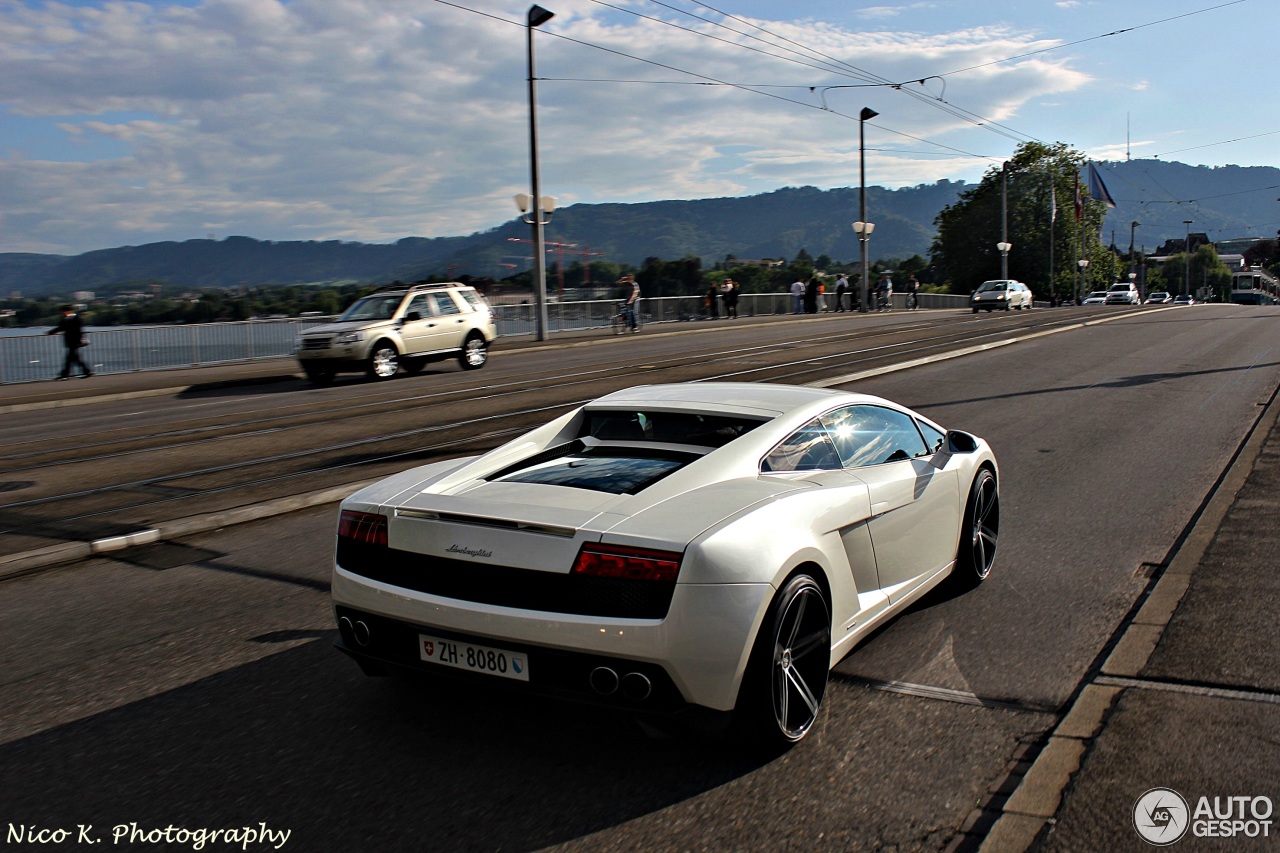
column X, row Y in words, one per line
column 562, row 249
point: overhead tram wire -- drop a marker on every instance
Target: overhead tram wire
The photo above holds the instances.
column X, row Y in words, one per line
column 852, row 70
column 1092, row 38
column 714, row 81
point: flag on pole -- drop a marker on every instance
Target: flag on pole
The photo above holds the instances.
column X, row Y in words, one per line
column 1079, row 202
column 1053, row 204
column 1098, row 189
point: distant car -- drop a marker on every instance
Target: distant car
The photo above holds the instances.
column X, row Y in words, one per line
column 1122, row 294
column 700, row 551
column 1001, row 293
column 1098, row 297
column 1184, row 299
column 404, row 326
column 1159, row 298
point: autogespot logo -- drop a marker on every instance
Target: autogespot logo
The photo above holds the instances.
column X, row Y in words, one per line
column 1161, row 816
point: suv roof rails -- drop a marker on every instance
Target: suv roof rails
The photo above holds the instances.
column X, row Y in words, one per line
column 422, row 285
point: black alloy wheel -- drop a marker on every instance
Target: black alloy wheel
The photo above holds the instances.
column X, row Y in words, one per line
column 979, row 533
column 791, row 662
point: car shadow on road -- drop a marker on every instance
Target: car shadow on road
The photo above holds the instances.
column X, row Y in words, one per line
column 301, row 741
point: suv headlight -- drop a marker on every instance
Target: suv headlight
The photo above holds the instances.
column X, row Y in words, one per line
column 349, row 338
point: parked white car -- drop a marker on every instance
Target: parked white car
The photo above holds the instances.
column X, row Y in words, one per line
column 1097, row 297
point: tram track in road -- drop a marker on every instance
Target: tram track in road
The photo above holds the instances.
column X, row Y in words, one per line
column 108, row 487
column 38, row 453
column 381, row 398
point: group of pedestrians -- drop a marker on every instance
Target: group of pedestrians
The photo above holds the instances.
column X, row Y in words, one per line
column 807, row 297
column 727, row 293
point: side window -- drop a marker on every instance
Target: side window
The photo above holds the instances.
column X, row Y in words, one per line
column 419, row 303
column 445, row 304
column 807, row 449
column 932, row 437
column 873, row 435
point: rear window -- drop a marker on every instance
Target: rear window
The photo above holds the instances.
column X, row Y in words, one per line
column 616, row 471
column 666, row 427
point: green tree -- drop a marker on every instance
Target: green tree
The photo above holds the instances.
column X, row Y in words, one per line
column 1042, row 185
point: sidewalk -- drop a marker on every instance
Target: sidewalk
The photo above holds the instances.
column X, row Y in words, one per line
column 101, row 387
column 1187, row 702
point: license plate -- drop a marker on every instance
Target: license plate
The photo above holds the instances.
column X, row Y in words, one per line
column 473, row 658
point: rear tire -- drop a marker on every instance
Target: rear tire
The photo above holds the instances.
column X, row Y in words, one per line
column 782, row 692
column 475, row 352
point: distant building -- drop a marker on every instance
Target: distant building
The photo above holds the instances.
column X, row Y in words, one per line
column 82, row 296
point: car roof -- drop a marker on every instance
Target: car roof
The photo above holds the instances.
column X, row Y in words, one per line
column 744, row 397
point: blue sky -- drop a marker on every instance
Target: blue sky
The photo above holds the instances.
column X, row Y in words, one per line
column 124, row 123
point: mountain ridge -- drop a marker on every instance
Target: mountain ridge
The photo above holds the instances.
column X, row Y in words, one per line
column 1222, row 201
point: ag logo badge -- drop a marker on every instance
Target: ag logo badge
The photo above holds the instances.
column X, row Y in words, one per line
column 1161, row 816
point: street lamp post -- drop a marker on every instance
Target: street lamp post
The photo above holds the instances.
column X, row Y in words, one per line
column 1004, row 245
column 1186, row 247
column 1132, row 226
column 537, row 17
column 862, row 226
column 863, row 230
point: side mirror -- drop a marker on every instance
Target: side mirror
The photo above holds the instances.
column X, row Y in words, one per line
column 955, row 442
column 413, row 316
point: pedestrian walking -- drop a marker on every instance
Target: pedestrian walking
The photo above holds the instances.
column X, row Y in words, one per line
column 797, row 296
column 632, row 288
column 71, row 327
column 713, row 309
column 811, row 296
column 913, row 292
column 842, row 285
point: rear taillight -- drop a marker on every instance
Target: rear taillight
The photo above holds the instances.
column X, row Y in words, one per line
column 616, row 561
column 366, row 527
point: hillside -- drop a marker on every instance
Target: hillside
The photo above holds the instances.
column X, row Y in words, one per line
column 1225, row 202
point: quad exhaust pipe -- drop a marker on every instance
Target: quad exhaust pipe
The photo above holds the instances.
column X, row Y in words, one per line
column 633, row 686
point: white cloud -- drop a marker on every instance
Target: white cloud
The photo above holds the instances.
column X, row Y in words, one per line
column 376, row 119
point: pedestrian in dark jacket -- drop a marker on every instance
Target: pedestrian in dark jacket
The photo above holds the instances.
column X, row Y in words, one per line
column 71, row 327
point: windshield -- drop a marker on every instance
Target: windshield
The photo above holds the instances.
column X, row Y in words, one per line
column 373, row 308
column 1098, row 294
column 1120, row 288
column 994, row 285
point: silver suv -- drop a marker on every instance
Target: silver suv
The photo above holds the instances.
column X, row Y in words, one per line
column 401, row 327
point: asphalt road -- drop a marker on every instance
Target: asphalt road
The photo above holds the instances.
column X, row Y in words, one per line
column 192, row 683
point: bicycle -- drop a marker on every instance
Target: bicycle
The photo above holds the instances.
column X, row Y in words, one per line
column 620, row 322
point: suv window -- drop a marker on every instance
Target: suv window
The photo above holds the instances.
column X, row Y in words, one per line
column 444, row 304
column 420, row 304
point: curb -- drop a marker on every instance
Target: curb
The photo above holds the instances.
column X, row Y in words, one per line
column 1032, row 805
column 30, row 562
